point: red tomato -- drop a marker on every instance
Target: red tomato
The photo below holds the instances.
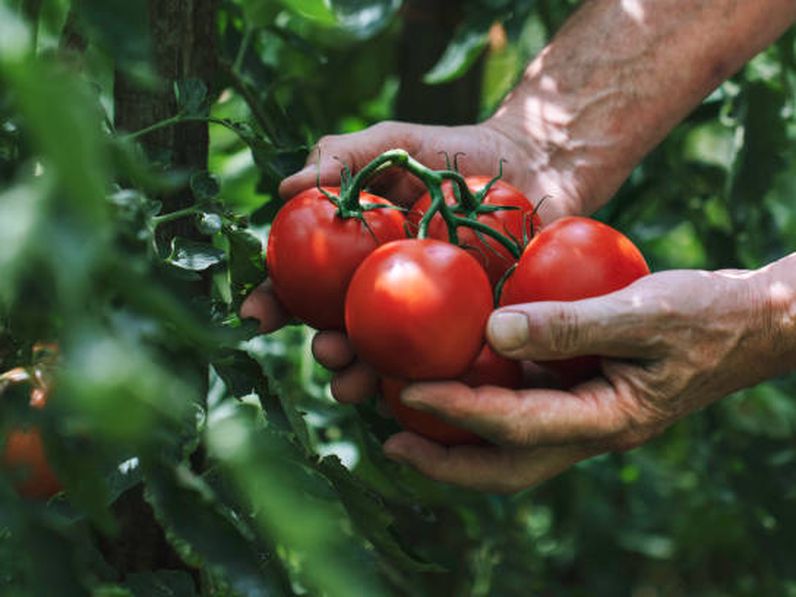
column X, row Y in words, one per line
column 571, row 259
column 488, row 369
column 416, row 309
column 312, row 253
column 515, row 223
column 24, row 456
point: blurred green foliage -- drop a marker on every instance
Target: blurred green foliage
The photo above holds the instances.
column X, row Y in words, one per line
column 260, row 483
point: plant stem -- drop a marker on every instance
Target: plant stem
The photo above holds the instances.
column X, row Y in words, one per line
column 177, row 119
column 244, row 45
column 432, row 179
column 175, row 215
column 510, row 246
column 154, row 127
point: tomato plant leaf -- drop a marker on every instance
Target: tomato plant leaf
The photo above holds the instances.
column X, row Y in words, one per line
column 193, row 255
column 469, row 41
column 246, row 263
column 191, row 96
column 372, row 517
column 161, row 583
column 188, row 508
column 205, row 186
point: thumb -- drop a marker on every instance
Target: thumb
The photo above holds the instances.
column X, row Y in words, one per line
column 607, row 326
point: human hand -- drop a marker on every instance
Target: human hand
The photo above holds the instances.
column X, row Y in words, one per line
column 672, row 343
column 483, row 146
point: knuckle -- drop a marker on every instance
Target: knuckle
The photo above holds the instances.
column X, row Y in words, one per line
column 385, row 126
column 563, row 330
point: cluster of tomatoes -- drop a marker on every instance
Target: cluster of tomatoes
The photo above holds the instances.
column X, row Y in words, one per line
column 414, row 292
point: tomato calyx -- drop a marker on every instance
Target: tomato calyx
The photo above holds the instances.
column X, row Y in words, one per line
column 347, row 202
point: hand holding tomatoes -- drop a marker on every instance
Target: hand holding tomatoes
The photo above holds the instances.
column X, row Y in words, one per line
column 673, row 342
column 482, row 147
column 574, row 258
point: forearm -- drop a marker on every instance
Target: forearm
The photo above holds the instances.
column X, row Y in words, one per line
column 621, row 74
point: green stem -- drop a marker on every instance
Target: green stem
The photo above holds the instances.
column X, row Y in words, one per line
column 244, row 45
column 175, row 215
column 154, row 127
column 177, row 119
column 510, row 246
column 432, row 179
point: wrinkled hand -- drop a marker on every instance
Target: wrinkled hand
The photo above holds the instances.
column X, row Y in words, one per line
column 673, row 343
column 483, row 147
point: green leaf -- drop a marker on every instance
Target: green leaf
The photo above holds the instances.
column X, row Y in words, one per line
column 361, row 18
column 20, row 213
column 191, row 95
column 317, row 11
column 161, row 583
column 246, row 265
column 193, row 255
column 122, row 28
column 205, row 186
column 260, row 13
column 372, row 517
column 293, row 504
column 468, row 42
column 188, row 508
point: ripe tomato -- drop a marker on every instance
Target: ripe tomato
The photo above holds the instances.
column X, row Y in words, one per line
column 416, row 309
column 571, row 259
column 24, row 456
column 515, row 223
column 313, row 252
column 488, row 369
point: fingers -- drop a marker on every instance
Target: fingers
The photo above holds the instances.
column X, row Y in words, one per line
column 332, row 350
column 614, row 325
column 591, row 413
column 263, row 306
column 355, row 384
column 353, row 150
column 490, row 469
column 354, row 381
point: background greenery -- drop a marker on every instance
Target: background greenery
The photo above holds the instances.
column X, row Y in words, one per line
column 200, row 458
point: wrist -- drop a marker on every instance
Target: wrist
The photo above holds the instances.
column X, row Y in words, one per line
column 542, row 165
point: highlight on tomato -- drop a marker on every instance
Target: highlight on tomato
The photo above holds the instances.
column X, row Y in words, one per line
column 416, row 309
column 315, row 245
column 488, row 369
column 519, row 223
column 571, row 259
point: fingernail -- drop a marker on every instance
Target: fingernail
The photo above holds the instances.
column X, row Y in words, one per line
column 392, row 453
column 396, row 456
column 508, row 330
column 412, row 396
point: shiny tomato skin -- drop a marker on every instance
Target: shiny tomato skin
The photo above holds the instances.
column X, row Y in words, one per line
column 312, row 253
column 517, row 224
column 416, row 309
column 25, row 457
column 488, row 369
column 571, row 259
